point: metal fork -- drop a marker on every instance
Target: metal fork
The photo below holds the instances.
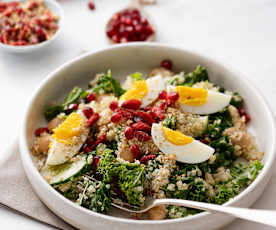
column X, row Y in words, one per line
column 267, row 217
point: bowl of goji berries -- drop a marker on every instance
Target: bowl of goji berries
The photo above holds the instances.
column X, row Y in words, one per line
column 29, row 25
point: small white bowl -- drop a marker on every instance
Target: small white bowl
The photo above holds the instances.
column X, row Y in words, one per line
column 56, row 9
column 122, row 60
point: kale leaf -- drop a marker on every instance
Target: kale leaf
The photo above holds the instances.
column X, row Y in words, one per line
column 242, row 175
column 170, row 122
column 130, row 176
column 236, row 100
column 52, row 111
column 217, row 123
column 109, row 85
column 101, row 200
column 73, row 97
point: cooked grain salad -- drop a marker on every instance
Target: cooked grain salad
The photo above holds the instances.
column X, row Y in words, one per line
column 164, row 135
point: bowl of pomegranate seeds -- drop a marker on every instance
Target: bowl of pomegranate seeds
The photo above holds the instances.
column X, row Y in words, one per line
column 129, row 25
column 28, row 25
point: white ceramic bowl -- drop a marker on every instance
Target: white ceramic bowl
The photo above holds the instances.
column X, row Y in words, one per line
column 57, row 10
column 125, row 59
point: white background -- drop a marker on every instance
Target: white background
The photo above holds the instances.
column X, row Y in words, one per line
column 241, row 32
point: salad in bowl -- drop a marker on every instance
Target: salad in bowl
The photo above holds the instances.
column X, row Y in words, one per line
column 162, row 135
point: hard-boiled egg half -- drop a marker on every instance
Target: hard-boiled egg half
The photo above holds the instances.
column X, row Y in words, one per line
column 146, row 91
column 67, row 139
column 199, row 100
column 186, row 149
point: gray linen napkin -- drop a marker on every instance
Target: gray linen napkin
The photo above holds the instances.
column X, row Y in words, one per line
column 17, row 194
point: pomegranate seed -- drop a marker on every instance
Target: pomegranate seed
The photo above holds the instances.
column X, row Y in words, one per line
column 91, row 5
column 141, row 126
column 88, row 111
column 145, row 159
column 158, row 113
column 247, row 118
column 131, row 104
column 41, row 130
column 167, row 64
column 173, row 97
column 73, row 107
column 148, row 108
column 145, row 117
column 100, row 139
column 135, row 151
column 241, row 111
column 93, row 119
column 203, row 141
column 162, row 95
column 86, row 148
column 129, row 134
column 113, row 105
column 128, row 114
column 90, row 97
column 116, row 117
column 141, row 136
column 128, row 25
column 162, row 106
column 116, row 38
column 96, row 160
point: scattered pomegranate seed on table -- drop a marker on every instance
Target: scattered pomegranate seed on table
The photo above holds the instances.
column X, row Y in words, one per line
column 167, row 64
column 128, row 26
column 91, row 5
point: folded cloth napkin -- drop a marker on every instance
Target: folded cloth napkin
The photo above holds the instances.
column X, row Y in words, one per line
column 16, row 192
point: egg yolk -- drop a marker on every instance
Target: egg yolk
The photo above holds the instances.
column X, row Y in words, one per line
column 192, row 96
column 70, row 128
column 176, row 137
column 138, row 91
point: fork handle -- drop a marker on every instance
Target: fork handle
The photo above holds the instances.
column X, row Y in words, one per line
column 267, row 217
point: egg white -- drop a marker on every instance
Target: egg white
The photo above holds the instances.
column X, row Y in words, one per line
column 155, row 86
column 192, row 153
column 215, row 102
column 59, row 153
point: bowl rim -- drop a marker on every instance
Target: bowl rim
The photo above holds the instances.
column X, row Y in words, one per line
column 29, row 48
column 28, row 162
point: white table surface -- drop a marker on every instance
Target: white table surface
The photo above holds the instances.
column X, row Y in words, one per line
column 241, row 32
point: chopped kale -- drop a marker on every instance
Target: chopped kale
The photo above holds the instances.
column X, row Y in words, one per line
column 73, row 97
column 108, row 84
column 199, row 74
column 52, row 111
column 224, row 153
column 242, row 175
column 217, row 123
column 101, row 200
column 236, row 100
column 170, row 122
column 177, row 211
column 130, row 176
